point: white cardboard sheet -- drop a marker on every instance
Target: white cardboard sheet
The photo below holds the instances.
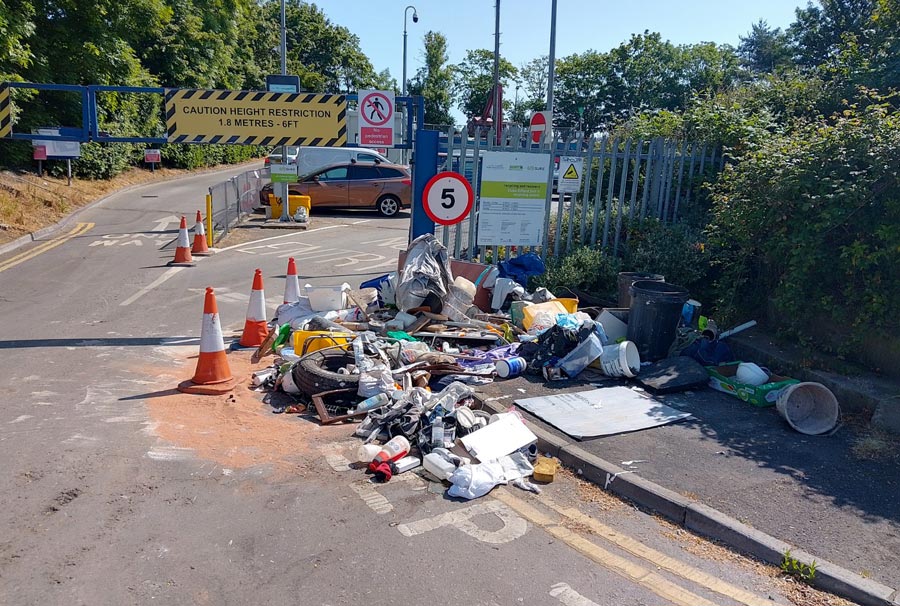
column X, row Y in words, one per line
column 503, row 436
column 602, row 412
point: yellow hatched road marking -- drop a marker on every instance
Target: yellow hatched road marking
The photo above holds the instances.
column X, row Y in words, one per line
column 45, row 246
column 625, row 567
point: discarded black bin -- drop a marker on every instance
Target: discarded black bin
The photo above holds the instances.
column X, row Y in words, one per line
column 627, row 278
column 653, row 317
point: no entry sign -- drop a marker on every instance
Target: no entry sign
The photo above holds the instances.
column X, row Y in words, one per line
column 376, row 118
column 539, row 125
column 448, row 198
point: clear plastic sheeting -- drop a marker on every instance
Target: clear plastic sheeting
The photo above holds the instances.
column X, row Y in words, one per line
column 426, row 271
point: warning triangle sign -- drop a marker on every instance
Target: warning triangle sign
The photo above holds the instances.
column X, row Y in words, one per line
column 571, row 172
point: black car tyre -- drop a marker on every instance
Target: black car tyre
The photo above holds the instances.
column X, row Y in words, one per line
column 388, row 206
column 317, row 372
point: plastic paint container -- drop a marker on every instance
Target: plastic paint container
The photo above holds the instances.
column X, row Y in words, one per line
column 511, row 367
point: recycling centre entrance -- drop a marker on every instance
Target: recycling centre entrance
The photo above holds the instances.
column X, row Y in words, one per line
column 284, row 120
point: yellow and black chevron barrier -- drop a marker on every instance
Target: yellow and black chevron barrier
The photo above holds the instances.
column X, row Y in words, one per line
column 5, row 111
column 255, row 118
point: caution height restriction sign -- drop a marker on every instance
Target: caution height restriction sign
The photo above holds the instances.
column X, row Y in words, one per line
column 5, row 118
column 255, row 118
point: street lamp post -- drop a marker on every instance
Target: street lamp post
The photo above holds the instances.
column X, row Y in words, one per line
column 516, row 103
column 415, row 20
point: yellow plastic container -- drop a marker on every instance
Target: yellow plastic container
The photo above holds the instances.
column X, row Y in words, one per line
column 531, row 312
column 571, row 305
column 314, row 340
column 545, row 470
column 294, row 203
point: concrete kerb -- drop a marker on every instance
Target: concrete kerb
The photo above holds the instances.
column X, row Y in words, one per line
column 705, row 520
column 73, row 216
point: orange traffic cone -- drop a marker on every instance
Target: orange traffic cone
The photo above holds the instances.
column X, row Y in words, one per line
column 200, row 247
column 212, row 376
column 182, row 247
column 255, row 327
column 292, row 285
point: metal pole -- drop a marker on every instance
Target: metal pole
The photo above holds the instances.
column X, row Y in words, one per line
column 283, row 39
column 415, row 20
column 496, row 113
column 551, row 74
column 403, row 88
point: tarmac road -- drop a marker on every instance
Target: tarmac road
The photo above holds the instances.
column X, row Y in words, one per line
column 118, row 491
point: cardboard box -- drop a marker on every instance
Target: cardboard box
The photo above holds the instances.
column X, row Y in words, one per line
column 722, row 378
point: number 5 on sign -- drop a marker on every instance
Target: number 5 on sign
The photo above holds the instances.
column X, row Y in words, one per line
column 448, row 198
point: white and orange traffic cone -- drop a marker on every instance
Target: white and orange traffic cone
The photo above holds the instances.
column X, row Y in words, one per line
column 182, row 247
column 256, row 329
column 200, row 247
column 212, row 376
column 292, row 285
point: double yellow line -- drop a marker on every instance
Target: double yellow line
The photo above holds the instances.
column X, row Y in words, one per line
column 645, row 573
column 79, row 229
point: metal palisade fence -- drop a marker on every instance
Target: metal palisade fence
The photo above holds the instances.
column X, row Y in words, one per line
column 234, row 199
column 624, row 179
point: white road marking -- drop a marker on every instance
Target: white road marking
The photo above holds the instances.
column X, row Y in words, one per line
column 568, row 596
column 461, row 519
column 171, row 272
column 309, row 231
column 376, row 501
column 21, row 418
column 81, row 440
column 169, row 453
column 361, row 221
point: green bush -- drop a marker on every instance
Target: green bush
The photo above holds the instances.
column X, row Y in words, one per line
column 676, row 251
column 810, row 221
column 99, row 160
column 586, row 269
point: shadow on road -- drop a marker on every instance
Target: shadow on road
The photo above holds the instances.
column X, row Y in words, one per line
column 117, row 342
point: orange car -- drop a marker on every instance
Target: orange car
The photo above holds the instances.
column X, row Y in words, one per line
column 385, row 187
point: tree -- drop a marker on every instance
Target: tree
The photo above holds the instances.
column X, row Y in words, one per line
column 16, row 25
column 644, row 73
column 474, row 78
column 819, row 32
column 534, row 76
column 433, row 80
column 764, row 49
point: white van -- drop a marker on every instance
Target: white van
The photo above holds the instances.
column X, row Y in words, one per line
column 310, row 159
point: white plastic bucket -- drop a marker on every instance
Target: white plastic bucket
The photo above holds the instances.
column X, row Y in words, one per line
column 620, row 360
column 326, row 298
column 288, row 385
column 810, row 408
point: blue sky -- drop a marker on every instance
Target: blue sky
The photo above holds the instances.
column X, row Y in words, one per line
column 525, row 24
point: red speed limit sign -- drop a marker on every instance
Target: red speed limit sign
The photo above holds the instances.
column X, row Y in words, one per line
column 448, row 198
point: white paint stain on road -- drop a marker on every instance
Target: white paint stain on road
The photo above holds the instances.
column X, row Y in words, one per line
column 168, row 274
column 568, row 596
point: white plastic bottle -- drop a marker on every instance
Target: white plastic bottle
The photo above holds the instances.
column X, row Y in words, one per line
column 376, row 401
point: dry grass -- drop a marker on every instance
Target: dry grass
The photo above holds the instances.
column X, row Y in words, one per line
column 875, row 445
column 29, row 203
column 798, row 592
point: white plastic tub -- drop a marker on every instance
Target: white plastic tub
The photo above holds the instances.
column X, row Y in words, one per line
column 327, row 298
